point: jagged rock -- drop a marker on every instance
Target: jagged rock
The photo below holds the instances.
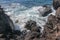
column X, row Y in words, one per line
column 45, row 10
column 56, row 4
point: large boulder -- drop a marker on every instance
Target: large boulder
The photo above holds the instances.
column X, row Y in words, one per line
column 56, row 4
column 6, row 24
column 44, row 10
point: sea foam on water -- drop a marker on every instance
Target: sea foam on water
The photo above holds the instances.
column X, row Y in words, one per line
column 22, row 14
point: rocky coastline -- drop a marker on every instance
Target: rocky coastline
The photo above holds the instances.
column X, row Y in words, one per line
column 51, row 28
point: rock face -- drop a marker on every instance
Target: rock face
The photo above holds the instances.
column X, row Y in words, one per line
column 56, row 4
column 52, row 27
column 45, row 10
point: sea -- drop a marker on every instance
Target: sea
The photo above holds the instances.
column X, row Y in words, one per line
column 21, row 11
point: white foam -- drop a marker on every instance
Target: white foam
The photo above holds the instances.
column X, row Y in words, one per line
column 21, row 13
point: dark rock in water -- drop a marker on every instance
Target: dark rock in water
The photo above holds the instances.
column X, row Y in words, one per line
column 56, row 4
column 30, row 24
column 46, row 10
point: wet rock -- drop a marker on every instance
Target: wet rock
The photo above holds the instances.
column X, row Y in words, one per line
column 45, row 10
column 56, row 4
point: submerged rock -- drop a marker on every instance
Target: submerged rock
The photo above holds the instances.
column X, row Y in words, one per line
column 45, row 10
column 56, row 4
